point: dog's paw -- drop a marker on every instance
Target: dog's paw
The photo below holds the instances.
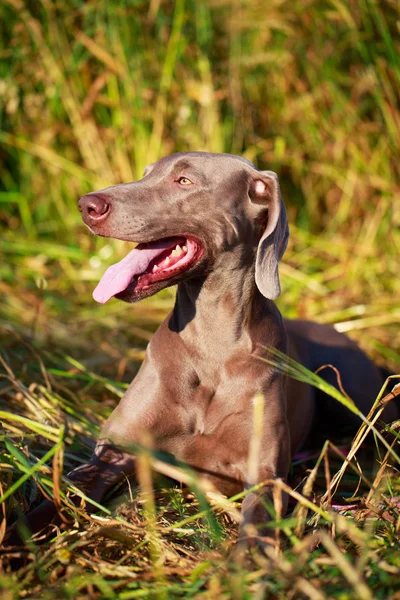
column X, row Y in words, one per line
column 252, row 546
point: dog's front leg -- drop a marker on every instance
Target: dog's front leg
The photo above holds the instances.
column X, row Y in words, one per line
column 258, row 506
column 108, row 466
column 256, row 513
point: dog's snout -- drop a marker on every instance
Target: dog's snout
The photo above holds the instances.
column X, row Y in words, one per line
column 94, row 208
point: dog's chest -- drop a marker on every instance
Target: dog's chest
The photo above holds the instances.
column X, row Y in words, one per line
column 212, row 431
column 213, row 404
column 200, row 397
column 204, row 411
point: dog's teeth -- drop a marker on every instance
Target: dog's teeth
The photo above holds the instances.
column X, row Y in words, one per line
column 177, row 251
column 184, row 248
column 155, row 268
column 167, row 260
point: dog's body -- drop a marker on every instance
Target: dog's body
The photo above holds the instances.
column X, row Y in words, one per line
column 222, row 226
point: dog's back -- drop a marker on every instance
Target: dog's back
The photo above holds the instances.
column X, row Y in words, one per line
column 347, row 368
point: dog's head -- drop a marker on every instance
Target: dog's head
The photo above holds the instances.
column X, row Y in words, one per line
column 188, row 210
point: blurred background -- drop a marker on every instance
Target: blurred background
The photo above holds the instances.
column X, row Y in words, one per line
column 92, row 91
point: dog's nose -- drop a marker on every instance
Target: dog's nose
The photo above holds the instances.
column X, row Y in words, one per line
column 94, row 208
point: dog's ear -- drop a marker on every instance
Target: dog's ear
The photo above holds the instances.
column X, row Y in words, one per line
column 148, row 169
column 264, row 191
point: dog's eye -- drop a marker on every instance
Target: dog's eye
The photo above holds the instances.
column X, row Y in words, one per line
column 184, row 181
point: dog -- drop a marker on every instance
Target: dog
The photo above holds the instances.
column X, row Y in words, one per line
column 216, row 227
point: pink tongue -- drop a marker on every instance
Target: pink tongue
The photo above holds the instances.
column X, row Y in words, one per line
column 118, row 276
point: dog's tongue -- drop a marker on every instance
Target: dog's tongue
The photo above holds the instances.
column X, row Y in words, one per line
column 118, row 276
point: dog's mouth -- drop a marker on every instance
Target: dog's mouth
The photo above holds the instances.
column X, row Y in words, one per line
column 148, row 264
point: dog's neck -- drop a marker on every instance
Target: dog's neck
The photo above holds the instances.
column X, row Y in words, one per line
column 221, row 305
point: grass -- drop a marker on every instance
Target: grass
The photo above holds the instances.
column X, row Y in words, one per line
column 92, row 92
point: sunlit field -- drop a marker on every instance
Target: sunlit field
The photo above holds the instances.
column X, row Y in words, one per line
column 90, row 93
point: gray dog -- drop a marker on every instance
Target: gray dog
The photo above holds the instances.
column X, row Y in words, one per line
column 217, row 227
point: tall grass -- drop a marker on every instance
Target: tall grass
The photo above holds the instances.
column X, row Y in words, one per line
column 91, row 92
